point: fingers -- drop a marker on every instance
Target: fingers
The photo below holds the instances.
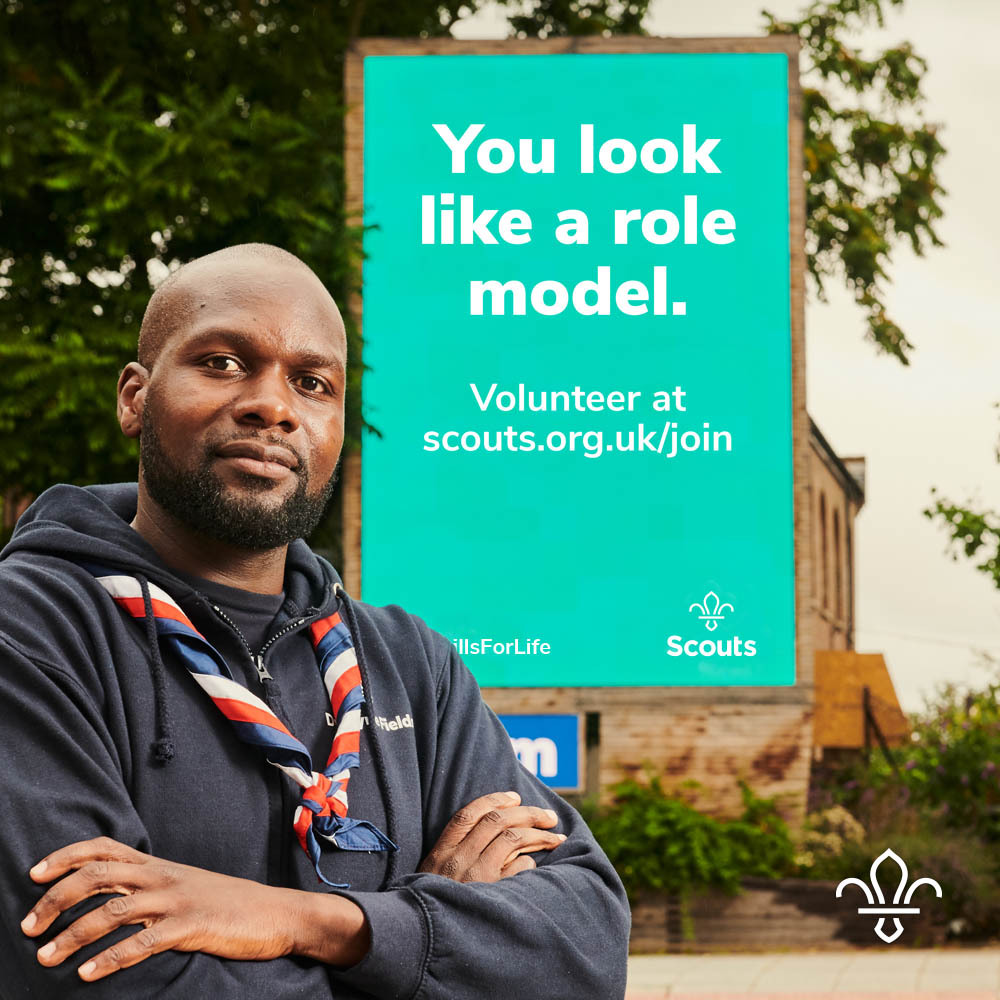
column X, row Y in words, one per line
column 75, row 855
column 117, row 912
column 485, row 838
column 92, row 879
column 522, row 841
column 497, row 821
column 522, row 863
column 129, row 951
column 510, row 845
column 468, row 816
column 179, row 906
column 457, row 854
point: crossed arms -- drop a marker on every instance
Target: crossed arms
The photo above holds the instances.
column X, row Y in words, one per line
column 184, row 908
column 499, row 905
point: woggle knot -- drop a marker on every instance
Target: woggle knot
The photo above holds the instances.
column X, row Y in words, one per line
column 317, row 796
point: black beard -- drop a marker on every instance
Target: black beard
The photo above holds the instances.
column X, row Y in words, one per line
column 197, row 498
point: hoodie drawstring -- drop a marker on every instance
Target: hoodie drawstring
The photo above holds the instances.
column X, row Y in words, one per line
column 163, row 745
column 381, row 772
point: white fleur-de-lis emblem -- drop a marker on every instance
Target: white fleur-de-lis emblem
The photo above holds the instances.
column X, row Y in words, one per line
column 900, row 902
column 711, row 610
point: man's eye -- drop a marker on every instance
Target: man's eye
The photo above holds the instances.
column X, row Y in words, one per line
column 312, row 383
column 222, row 363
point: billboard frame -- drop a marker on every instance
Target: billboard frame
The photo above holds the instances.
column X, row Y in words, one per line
column 801, row 488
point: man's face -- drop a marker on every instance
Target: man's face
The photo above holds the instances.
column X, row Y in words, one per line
column 243, row 416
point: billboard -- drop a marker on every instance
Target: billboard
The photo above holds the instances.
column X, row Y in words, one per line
column 578, row 358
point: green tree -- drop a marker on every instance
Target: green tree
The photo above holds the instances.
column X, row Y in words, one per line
column 134, row 137
column 972, row 533
column 951, row 767
column 870, row 158
column 559, row 18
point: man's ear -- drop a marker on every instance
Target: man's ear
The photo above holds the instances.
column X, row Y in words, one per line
column 131, row 397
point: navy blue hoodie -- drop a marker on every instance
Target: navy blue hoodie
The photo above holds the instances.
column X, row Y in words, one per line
column 80, row 721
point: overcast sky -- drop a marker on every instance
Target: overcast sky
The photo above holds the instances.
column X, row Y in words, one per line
column 932, row 423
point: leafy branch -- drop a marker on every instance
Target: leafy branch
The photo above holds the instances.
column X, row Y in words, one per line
column 870, row 158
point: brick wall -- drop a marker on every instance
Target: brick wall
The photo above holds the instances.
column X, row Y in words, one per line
column 715, row 737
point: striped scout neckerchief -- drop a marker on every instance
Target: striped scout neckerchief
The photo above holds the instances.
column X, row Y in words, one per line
column 323, row 809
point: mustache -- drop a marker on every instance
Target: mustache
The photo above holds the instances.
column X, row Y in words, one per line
column 300, row 469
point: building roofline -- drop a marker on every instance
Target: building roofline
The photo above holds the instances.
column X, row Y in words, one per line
column 853, row 486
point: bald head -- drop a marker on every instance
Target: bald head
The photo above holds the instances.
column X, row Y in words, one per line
column 177, row 300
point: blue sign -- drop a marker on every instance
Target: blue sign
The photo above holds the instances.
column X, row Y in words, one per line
column 548, row 746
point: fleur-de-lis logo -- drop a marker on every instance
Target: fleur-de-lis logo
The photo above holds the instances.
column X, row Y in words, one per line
column 900, row 902
column 711, row 610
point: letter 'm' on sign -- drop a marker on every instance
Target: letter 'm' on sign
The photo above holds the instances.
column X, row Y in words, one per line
column 540, row 756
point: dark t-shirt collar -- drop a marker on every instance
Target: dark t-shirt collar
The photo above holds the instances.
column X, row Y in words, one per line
column 253, row 613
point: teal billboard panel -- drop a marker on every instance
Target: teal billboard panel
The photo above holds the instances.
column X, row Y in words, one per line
column 577, row 343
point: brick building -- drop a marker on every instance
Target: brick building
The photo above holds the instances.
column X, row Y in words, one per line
column 765, row 736
column 838, row 486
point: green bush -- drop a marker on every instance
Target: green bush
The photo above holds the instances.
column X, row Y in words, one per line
column 951, row 768
column 936, row 803
column 658, row 841
column 823, row 838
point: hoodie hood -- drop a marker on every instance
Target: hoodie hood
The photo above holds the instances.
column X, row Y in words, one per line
column 93, row 524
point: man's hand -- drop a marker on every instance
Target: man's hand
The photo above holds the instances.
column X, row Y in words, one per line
column 183, row 908
column 492, row 838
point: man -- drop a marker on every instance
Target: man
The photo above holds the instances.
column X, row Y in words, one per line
column 175, row 664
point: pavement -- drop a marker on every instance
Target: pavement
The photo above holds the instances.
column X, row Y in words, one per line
column 888, row 974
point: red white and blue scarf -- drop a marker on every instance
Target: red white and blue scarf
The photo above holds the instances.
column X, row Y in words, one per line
column 323, row 808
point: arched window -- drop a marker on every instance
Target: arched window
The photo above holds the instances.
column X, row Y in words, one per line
column 838, row 572
column 824, row 566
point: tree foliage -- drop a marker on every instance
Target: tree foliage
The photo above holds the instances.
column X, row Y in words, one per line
column 937, row 805
column 951, row 767
column 135, row 136
column 870, row 157
column 975, row 534
column 559, row 18
column 972, row 533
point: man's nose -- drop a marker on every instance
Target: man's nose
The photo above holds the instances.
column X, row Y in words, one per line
column 267, row 400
